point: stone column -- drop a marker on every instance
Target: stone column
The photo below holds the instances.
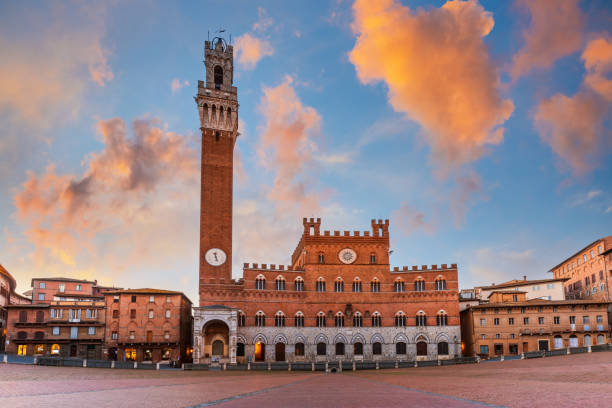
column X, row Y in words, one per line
column 232, row 346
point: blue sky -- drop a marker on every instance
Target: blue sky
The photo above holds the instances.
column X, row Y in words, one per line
column 512, row 207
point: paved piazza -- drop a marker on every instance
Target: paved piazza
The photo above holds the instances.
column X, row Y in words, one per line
column 576, row 380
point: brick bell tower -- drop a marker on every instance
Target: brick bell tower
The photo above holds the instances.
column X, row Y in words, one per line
column 217, row 101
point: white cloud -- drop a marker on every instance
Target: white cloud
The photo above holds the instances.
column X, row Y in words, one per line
column 177, row 84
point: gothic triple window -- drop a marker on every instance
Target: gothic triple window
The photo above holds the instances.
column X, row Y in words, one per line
column 376, row 319
column 440, row 283
column 375, row 285
column 260, row 319
column 320, row 285
column 299, row 284
column 441, row 318
column 339, row 320
column 400, row 319
column 260, row 282
column 357, row 319
column 321, row 319
column 339, row 285
column 399, row 285
column 419, row 285
column 279, row 319
column 421, row 319
column 357, row 285
column 280, row 283
column 298, row 319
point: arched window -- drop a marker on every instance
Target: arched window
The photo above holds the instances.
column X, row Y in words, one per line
column 356, row 285
column 421, row 319
column 39, row 335
column 321, row 257
column 400, row 348
column 375, row 285
column 421, row 347
column 298, row 319
column 419, row 285
column 376, row 319
column 299, row 284
column 299, row 349
column 339, row 349
column 400, row 319
column 600, row 339
column 260, row 282
column 260, row 319
column 358, row 349
column 441, row 318
column 280, row 282
column 372, row 258
column 22, row 335
column 440, row 283
column 339, row 285
column 339, row 320
column 320, row 285
column 321, row 319
column 279, row 319
column 241, row 319
column 321, row 349
column 357, row 320
column 377, row 348
column 587, row 340
column 218, row 76
column 399, row 285
column 442, row 348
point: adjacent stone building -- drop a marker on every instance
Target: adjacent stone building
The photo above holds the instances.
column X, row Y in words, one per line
column 338, row 299
column 510, row 324
column 151, row 325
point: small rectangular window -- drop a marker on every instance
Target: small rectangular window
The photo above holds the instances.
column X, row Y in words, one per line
column 116, row 299
column 56, row 331
column 133, row 298
column 557, row 320
column 132, row 335
column 91, row 331
column 133, row 314
column 525, row 320
column 168, row 299
column 572, row 319
column 540, row 320
column 114, row 335
column 150, row 313
column 78, row 287
column 483, row 322
column 115, row 314
column 372, row 259
column 62, row 287
column 151, row 299
column 42, row 285
column 41, row 296
column 496, row 321
column 511, row 321
column 168, row 313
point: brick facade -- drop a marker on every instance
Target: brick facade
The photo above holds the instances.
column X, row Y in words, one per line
column 588, row 272
column 267, row 315
column 148, row 325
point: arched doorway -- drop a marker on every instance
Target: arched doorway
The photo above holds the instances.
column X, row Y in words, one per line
column 421, row 347
column 279, row 351
column 260, row 351
column 215, row 339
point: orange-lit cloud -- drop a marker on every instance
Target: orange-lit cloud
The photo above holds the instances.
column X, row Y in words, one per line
column 43, row 73
column 251, row 49
column 287, row 143
column 597, row 58
column 65, row 215
column 575, row 127
column 555, row 31
column 409, row 220
column 438, row 71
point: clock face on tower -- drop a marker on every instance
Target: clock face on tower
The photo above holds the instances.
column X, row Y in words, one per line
column 347, row 256
column 215, row 256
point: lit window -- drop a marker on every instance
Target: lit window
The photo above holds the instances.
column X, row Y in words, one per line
column 55, row 349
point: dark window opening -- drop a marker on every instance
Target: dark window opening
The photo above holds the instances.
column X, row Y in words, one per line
column 358, row 349
column 218, row 73
column 377, row 348
column 321, row 349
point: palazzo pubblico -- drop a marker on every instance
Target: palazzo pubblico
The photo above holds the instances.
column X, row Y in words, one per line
column 339, row 299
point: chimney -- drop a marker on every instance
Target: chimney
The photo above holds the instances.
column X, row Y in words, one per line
column 525, row 278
